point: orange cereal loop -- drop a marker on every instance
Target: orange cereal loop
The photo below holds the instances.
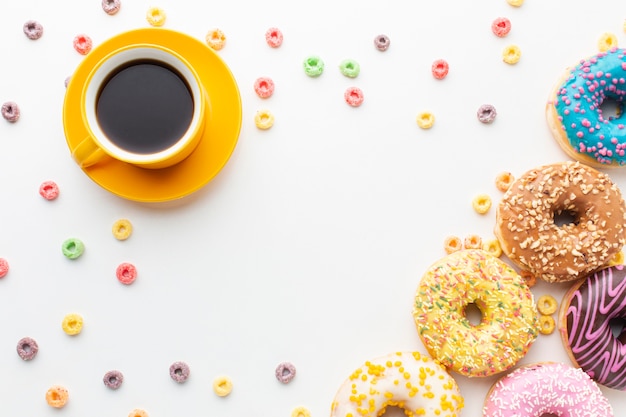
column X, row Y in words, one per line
column 57, row 396
column 452, row 244
column 504, row 181
column 547, row 305
column 617, row 259
column 138, row 412
column 546, row 324
column 607, row 41
column 529, row 278
column 216, row 39
column 493, row 247
column 473, row 242
column 481, row 203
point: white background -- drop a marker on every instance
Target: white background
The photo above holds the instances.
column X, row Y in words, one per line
column 310, row 243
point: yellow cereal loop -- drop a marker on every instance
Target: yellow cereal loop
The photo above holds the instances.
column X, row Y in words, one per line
column 607, row 41
column 546, row 324
column 515, row 3
column 57, row 396
column 511, row 54
column 493, row 247
column 452, row 244
column 122, row 229
column 264, row 119
column 155, row 16
column 222, row 386
column 547, row 305
column 481, row 203
column 72, row 324
column 617, row 259
column 300, row 412
column 425, row 120
column 473, row 242
column 216, row 39
column 137, row 412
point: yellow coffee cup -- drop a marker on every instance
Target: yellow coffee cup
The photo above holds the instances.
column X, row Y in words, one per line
column 141, row 104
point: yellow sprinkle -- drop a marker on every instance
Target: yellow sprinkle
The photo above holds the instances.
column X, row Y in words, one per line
column 607, row 41
column 429, row 395
column 363, row 377
column 511, row 54
column 222, row 385
column 389, row 364
column 388, row 395
column 397, row 363
column 72, row 324
column 425, row 120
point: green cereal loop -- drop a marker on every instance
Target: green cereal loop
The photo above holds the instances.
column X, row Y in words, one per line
column 313, row 66
column 350, row 68
column 72, row 248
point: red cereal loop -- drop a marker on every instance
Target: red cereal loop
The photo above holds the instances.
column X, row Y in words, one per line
column 501, row 27
column 126, row 273
column 49, row 190
column 264, row 87
column 274, row 37
column 82, row 44
column 353, row 96
column 440, row 69
column 4, row 267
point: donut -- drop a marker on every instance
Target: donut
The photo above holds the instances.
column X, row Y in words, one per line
column 585, row 326
column 546, row 389
column 574, row 110
column 527, row 221
column 509, row 316
column 407, row 380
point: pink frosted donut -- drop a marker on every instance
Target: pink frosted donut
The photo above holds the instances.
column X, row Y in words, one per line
column 546, row 389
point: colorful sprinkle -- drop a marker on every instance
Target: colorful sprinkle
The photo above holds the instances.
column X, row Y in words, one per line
column 349, row 68
column 82, row 44
column 264, row 87
column 72, row 324
column 111, row 7
column 486, row 113
column 440, row 69
column 425, row 120
column 4, row 267
column 313, row 66
column 156, row 16
column 10, row 111
column 481, row 203
column 222, row 386
column 274, row 37
column 49, row 190
column 33, row 30
column 113, row 379
column 285, row 372
column 501, row 27
column 122, row 229
column 126, row 273
column 179, row 372
column 27, row 348
column 216, row 39
column 353, row 96
column 57, row 396
column 264, row 119
column 382, row 42
column 511, row 54
column 72, row 248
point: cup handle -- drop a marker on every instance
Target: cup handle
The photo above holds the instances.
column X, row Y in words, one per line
column 88, row 153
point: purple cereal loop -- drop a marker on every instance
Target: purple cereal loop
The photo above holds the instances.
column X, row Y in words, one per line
column 11, row 111
column 113, row 379
column 179, row 372
column 111, row 7
column 27, row 348
column 33, row 30
column 486, row 113
column 285, row 372
column 382, row 42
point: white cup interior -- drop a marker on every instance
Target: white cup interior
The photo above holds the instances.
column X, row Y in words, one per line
column 109, row 65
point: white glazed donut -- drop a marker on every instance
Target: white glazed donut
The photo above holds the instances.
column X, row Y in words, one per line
column 408, row 380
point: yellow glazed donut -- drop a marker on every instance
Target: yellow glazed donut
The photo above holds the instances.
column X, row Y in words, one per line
column 407, row 380
column 527, row 221
column 509, row 315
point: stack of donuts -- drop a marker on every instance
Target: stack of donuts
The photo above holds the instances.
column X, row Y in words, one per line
column 563, row 223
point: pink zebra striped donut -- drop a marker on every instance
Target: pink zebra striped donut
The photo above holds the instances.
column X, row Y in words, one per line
column 584, row 323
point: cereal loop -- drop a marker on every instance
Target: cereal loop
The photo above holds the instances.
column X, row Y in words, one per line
column 216, row 39
column 274, row 37
column 27, row 348
column 67, row 80
column 222, row 386
column 511, row 54
column 264, row 87
column 82, row 44
column 285, row 372
column 617, row 259
column 33, row 30
column 529, row 278
column 313, row 66
column 382, row 42
column 126, row 273
column 10, row 111
column 546, row 324
column 72, row 248
column 349, row 68
column 57, row 396
column 440, row 69
column 504, row 181
column 452, row 244
column 137, row 412
column 72, row 324
column 607, row 41
column 264, row 119
column 547, row 305
column 493, row 247
column 113, row 379
column 300, row 412
column 425, row 120
column 515, row 3
column 473, row 242
column 156, row 16
column 481, row 203
column 501, row 27
column 111, row 7
column 4, row 267
column 486, row 113
column 179, row 372
column 49, row 190
column 122, row 229
column 353, row 96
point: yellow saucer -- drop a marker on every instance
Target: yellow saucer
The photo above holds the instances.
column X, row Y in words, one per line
column 219, row 137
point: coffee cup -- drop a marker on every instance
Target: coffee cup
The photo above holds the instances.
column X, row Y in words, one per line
column 143, row 105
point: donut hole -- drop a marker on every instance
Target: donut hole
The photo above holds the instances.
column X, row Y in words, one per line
column 393, row 411
column 548, row 415
column 611, row 109
column 473, row 314
column 618, row 328
column 563, row 218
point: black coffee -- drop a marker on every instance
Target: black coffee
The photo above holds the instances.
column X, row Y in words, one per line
column 144, row 107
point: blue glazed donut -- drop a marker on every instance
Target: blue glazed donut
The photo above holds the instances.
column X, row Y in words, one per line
column 574, row 110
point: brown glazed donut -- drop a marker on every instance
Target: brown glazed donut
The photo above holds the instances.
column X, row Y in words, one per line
column 534, row 241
